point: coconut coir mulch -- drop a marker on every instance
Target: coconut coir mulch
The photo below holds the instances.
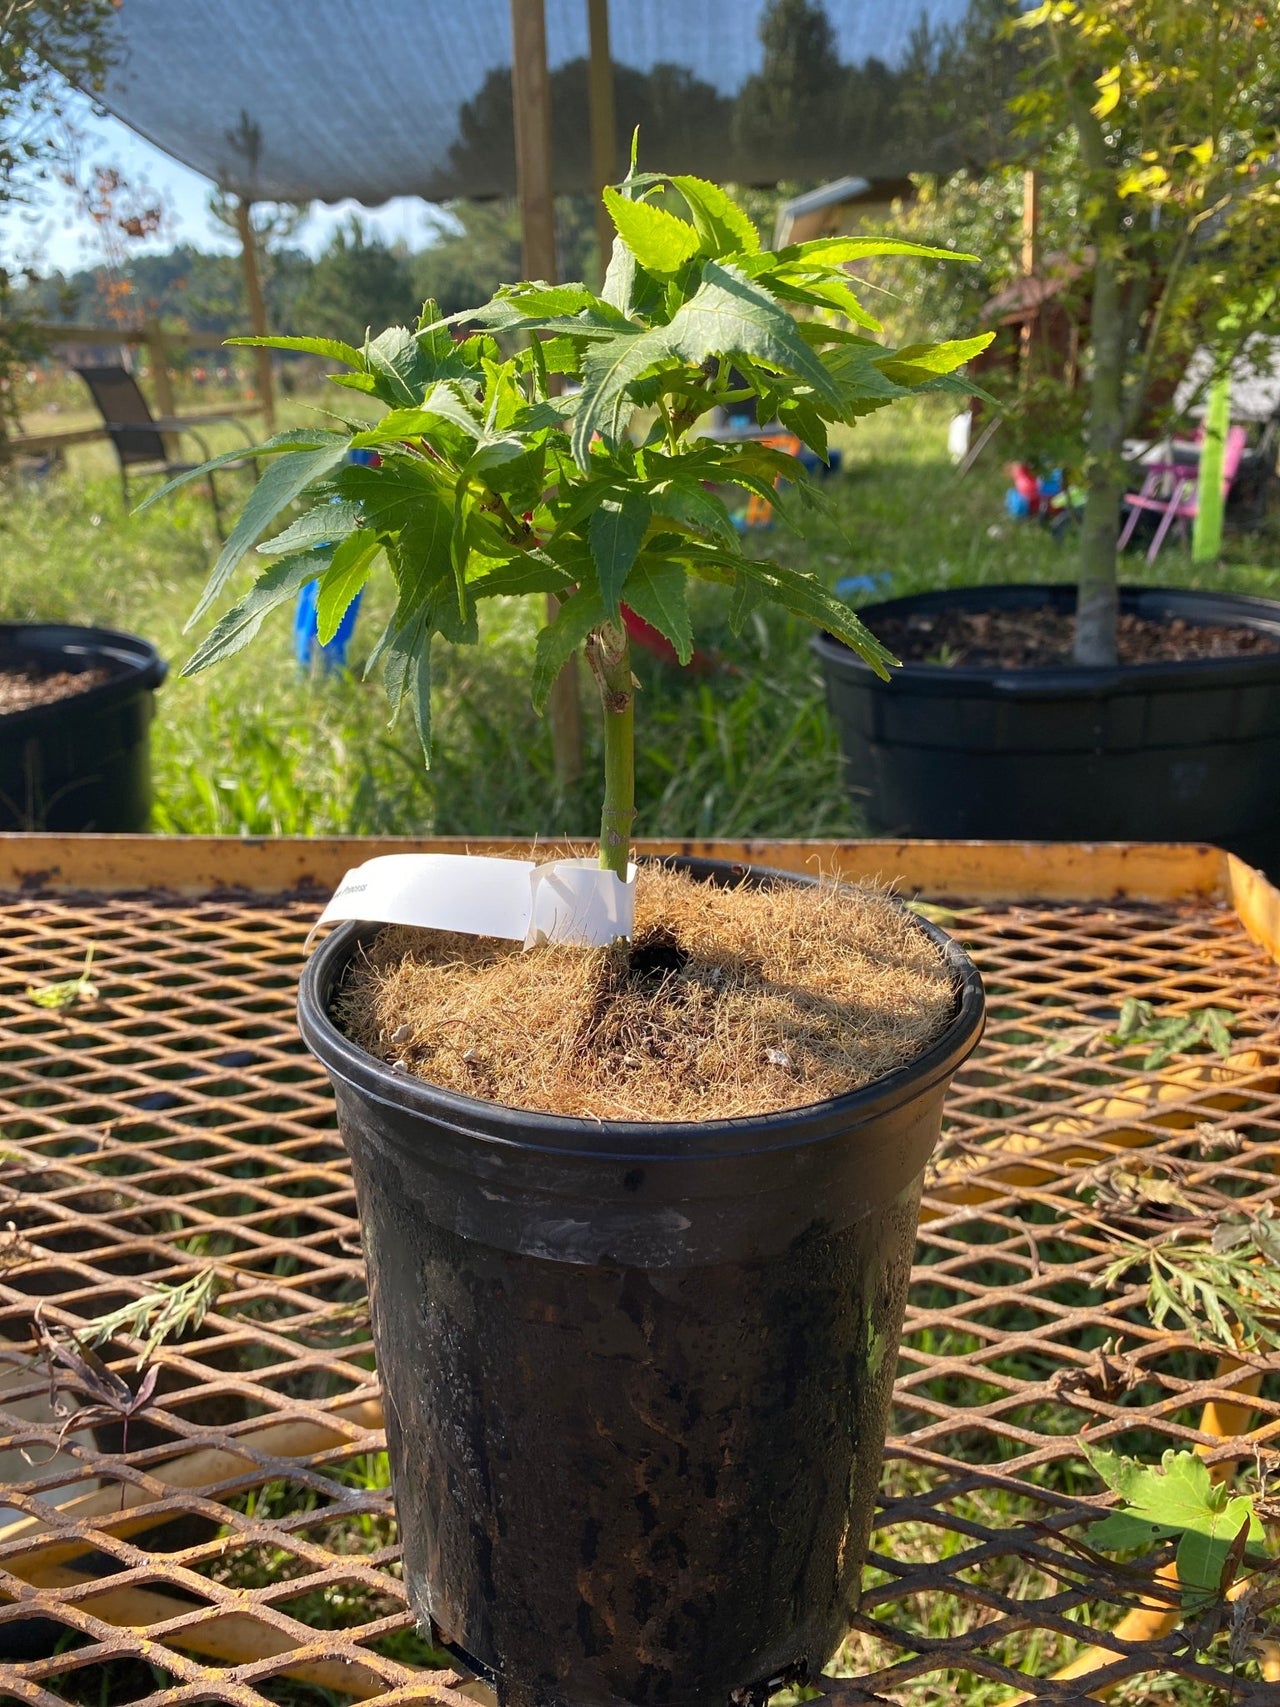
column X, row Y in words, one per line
column 1040, row 639
column 729, row 1002
column 28, row 685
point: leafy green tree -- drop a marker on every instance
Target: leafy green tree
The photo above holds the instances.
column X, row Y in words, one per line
column 495, row 481
column 672, row 109
column 1175, row 111
column 358, row 282
column 43, row 43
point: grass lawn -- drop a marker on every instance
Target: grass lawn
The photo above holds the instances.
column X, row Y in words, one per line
column 743, row 749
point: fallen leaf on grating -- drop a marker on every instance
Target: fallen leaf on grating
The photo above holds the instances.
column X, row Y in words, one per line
column 15, row 1251
column 1140, row 1187
column 70, row 992
column 1109, row 1373
column 1211, row 1140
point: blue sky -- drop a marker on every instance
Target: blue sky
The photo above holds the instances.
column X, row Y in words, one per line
column 52, row 233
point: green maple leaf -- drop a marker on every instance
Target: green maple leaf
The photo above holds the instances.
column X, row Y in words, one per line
column 1178, row 1499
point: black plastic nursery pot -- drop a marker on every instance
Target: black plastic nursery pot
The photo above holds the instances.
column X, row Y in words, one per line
column 1148, row 752
column 637, row 1376
column 83, row 762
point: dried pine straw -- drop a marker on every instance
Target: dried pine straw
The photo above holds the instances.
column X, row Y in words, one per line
column 730, row 1002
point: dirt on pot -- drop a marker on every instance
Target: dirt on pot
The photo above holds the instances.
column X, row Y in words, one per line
column 25, row 685
column 1041, row 638
column 728, row 1002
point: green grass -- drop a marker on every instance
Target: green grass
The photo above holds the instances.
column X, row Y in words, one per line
column 744, row 749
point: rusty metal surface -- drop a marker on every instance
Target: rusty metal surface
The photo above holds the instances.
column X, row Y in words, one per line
column 242, row 1549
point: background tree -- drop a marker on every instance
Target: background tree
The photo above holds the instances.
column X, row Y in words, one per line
column 358, row 282
column 42, row 44
column 1175, row 111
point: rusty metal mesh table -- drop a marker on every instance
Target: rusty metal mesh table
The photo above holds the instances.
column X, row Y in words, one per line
column 234, row 1540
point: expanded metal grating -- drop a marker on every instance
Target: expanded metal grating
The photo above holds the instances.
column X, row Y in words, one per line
column 234, row 1540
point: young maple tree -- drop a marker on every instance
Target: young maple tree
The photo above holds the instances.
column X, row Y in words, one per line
column 1175, row 107
column 557, row 449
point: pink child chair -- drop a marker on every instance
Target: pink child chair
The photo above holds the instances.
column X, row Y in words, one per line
column 1169, row 489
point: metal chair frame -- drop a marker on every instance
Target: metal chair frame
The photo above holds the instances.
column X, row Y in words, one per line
column 139, row 438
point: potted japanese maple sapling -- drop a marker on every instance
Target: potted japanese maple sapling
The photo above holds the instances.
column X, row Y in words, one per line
column 639, row 1217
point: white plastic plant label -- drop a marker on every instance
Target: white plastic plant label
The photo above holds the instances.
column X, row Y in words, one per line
column 565, row 900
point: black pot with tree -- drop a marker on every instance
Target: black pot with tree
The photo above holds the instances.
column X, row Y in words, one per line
column 637, row 1366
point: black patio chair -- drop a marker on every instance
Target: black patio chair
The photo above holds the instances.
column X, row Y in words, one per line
column 138, row 437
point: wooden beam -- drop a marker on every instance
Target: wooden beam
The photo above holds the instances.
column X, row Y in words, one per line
column 257, row 310
column 604, row 146
column 531, row 110
column 36, row 862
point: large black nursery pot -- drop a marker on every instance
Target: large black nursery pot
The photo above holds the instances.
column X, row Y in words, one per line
column 1137, row 753
column 637, row 1376
column 83, row 762
column 1142, row 752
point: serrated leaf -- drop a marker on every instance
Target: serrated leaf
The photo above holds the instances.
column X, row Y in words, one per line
column 326, row 524
column 1179, row 1498
column 805, row 596
column 656, row 591
column 283, row 581
column 530, row 572
column 333, row 348
column 279, row 444
column 367, row 383
column 918, row 361
column 723, row 227
column 281, row 483
column 559, row 640
column 620, row 277
column 838, row 251
column 396, row 359
column 615, row 533
column 689, row 502
column 418, row 687
column 446, row 401
column 728, row 315
column 342, row 580
column 661, row 242
column 823, row 292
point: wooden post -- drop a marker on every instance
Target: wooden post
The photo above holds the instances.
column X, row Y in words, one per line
column 161, row 383
column 531, row 108
column 604, row 150
column 1030, row 220
column 257, row 311
column 1030, row 258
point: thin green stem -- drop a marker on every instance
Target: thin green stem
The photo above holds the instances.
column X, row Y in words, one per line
column 609, row 655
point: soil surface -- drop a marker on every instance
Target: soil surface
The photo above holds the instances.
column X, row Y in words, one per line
column 25, row 685
column 1041, row 638
column 730, row 1002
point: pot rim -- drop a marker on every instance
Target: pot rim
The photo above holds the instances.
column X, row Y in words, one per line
column 615, row 1140
column 1246, row 610
column 136, row 663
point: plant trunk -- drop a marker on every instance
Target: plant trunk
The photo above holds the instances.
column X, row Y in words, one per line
column 609, row 654
column 1097, row 606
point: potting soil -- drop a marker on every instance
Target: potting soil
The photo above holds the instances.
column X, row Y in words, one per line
column 1040, row 637
column 26, row 685
column 728, row 1002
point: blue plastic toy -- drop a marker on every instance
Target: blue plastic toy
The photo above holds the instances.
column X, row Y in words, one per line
column 306, row 639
